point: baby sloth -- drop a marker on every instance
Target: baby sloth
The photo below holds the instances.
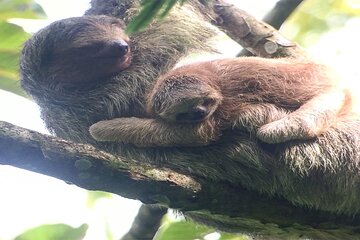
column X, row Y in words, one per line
column 278, row 99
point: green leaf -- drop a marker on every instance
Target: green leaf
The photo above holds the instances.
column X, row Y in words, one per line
column 147, row 13
column 229, row 236
column 184, row 230
column 54, row 232
column 169, row 5
column 93, row 196
column 12, row 38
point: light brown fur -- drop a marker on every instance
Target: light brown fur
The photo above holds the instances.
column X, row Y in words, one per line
column 280, row 99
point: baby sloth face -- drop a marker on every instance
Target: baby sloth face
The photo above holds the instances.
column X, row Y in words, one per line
column 184, row 99
column 81, row 50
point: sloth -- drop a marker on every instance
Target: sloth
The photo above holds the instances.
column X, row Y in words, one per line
column 76, row 90
column 280, row 99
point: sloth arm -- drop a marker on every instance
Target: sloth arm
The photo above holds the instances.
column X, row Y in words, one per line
column 271, row 124
column 147, row 132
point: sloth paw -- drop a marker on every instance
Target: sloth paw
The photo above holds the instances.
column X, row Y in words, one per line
column 288, row 128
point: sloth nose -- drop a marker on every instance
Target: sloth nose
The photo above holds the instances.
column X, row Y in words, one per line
column 119, row 46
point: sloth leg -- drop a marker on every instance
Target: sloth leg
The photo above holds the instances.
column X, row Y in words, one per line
column 309, row 121
column 253, row 116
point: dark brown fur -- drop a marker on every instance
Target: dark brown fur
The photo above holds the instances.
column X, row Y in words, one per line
column 238, row 158
column 253, row 93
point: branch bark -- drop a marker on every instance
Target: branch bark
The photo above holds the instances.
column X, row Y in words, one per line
column 276, row 17
column 257, row 37
column 88, row 167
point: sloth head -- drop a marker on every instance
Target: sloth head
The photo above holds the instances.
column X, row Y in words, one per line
column 76, row 52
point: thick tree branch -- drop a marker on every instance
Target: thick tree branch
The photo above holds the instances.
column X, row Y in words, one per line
column 92, row 169
column 88, row 167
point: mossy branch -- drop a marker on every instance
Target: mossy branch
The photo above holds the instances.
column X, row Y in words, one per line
column 89, row 168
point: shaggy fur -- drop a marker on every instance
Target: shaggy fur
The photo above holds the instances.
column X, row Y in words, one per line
column 330, row 161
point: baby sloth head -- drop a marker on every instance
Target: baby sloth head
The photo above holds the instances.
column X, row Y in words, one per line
column 76, row 51
column 183, row 99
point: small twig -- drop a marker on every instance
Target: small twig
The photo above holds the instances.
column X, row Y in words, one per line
column 146, row 223
column 280, row 12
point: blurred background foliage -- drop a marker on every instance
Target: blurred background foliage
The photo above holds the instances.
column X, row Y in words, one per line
column 12, row 37
column 54, row 232
column 315, row 17
column 312, row 19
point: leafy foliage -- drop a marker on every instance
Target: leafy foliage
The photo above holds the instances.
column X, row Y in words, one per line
column 12, row 37
column 187, row 230
column 94, row 196
column 54, row 232
column 182, row 230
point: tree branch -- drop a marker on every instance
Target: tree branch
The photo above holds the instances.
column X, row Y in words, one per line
column 257, row 37
column 86, row 166
column 92, row 169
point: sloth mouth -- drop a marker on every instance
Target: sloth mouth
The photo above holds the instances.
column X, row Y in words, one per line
column 125, row 62
column 114, row 55
column 115, row 60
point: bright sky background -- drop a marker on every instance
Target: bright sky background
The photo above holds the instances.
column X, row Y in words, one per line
column 30, row 199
